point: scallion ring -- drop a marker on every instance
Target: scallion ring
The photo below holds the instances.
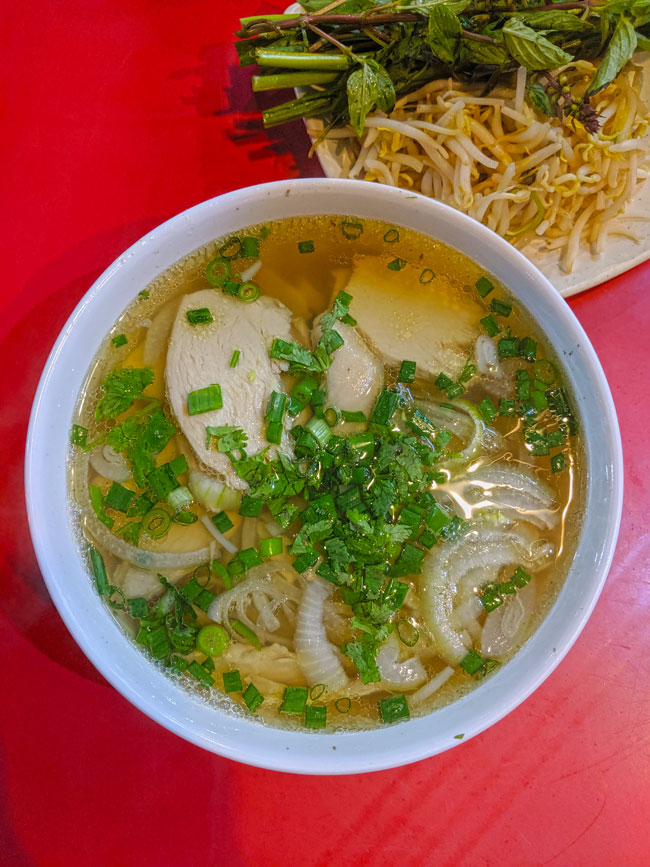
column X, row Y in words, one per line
column 332, row 415
column 545, row 371
column 118, row 604
column 427, row 276
column 343, row 705
column 316, row 691
column 218, row 272
column 407, row 633
column 351, row 229
column 185, row 516
column 156, row 523
column 248, row 292
column 391, row 236
column 202, row 575
column 231, row 249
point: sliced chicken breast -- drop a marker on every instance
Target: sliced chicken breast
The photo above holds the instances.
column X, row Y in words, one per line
column 356, row 375
column 402, row 319
column 199, row 355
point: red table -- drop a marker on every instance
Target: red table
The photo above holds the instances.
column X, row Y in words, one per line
column 117, row 115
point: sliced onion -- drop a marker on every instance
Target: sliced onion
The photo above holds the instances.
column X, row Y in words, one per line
column 155, row 343
column 432, row 686
column 123, row 550
column 221, row 539
column 516, row 492
column 399, row 675
column 274, row 662
column 110, row 464
column 316, row 656
column 504, row 627
column 487, row 357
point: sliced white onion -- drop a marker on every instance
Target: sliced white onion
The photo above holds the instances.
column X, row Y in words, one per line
column 221, row 539
column 110, row 464
column 249, row 532
column 155, row 343
column 316, row 656
column 504, row 627
column 516, row 492
column 399, row 675
column 250, row 272
column 432, row 686
column 211, row 493
column 273, row 662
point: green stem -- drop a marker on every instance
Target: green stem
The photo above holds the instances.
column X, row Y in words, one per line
column 291, row 79
column 301, row 60
column 310, row 105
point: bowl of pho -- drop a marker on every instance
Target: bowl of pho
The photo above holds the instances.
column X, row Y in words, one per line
column 319, row 490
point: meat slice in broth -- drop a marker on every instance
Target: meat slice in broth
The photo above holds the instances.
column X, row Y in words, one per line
column 200, row 355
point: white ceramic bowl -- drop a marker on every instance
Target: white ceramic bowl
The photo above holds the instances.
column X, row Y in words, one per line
column 98, row 634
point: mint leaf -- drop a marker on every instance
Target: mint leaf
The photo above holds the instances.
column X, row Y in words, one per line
column 531, row 49
column 368, row 87
column 444, row 33
column 621, row 47
column 120, row 389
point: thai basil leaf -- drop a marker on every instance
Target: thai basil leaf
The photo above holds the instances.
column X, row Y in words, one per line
column 531, row 49
column 424, row 7
column 558, row 20
column 480, row 52
column 642, row 42
column 621, row 47
column 444, row 33
column 539, row 99
column 369, row 87
column 350, row 7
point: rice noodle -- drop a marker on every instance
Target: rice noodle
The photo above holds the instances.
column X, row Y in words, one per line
column 487, row 156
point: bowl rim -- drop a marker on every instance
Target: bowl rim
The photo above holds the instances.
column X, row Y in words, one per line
column 155, row 693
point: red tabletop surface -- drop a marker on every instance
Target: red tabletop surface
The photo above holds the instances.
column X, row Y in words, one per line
column 115, row 116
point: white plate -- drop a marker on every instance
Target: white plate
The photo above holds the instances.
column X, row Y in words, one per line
column 620, row 254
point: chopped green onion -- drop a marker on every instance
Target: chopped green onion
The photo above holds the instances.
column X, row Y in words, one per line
column 507, row 347
column 179, row 465
column 351, row 229
column 159, row 644
column 558, row 463
column 487, row 410
column 250, row 248
column 232, row 681
column 294, row 699
column 391, row 236
column 250, row 507
column 197, row 671
column 202, row 575
column 204, row 400
column 490, row 325
column 315, row 716
column 506, row 407
column 162, row 480
column 199, row 316
column 99, row 571
column 231, row 249
column 316, row 691
column 343, row 705
column 545, row 371
column 501, row 308
column 295, row 407
column 472, row 663
column 520, row 577
column 274, row 432
column 305, row 246
column 393, row 708
column 407, row 371
column 97, row 502
column 119, row 340
column 156, row 523
column 407, row 633
column 185, row 517
column 119, row 603
column 427, row 276
column 235, row 358
column 137, row 607
column 179, row 498
column 218, row 272
column 276, row 406
column 332, row 416
column 231, row 287
column 212, row 640
column 208, row 664
column 484, row 286
column 249, row 557
column 385, row 407
column 527, row 348
column 304, row 389
column 246, row 633
column 253, row 697
column 270, row 547
column 319, row 429
column 118, row 497
column 222, row 522
column 78, row 435
column 397, row 264
column 222, row 573
column 347, row 415
column 248, row 291
column 143, row 294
